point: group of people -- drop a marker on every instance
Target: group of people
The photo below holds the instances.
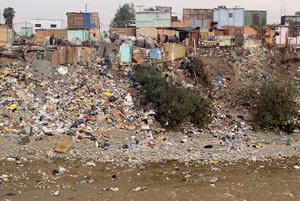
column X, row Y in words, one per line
column 174, row 39
column 51, row 40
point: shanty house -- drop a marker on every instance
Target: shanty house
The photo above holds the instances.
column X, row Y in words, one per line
column 228, row 17
column 46, row 24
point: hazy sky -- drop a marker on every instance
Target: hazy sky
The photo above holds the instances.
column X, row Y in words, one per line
column 56, row 9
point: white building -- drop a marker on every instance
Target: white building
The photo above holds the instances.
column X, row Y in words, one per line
column 46, row 24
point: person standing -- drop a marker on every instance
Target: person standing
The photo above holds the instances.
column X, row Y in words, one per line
column 52, row 41
column 176, row 39
column 158, row 38
column 166, row 39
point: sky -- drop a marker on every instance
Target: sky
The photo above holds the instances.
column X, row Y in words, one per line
column 57, row 9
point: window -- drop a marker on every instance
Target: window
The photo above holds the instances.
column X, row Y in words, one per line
column 230, row 14
column 53, row 25
column 294, row 32
column 38, row 25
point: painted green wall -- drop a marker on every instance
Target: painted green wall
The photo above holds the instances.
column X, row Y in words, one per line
column 249, row 17
column 26, row 31
column 83, row 35
column 153, row 19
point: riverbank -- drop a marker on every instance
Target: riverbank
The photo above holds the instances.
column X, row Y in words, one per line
column 125, row 148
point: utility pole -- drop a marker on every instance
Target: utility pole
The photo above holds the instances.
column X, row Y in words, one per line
column 85, row 37
column 26, row 31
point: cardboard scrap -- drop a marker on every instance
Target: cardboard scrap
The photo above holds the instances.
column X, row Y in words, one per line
column 6, row 71
column 174, row 52
column 138, row 59
column 64, row 146
column 115, row 114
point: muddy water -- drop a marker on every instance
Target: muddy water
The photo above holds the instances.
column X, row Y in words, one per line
column 268, row 181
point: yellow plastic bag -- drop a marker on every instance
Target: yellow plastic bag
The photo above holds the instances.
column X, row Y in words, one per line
column 107, row 94
column 12, row 107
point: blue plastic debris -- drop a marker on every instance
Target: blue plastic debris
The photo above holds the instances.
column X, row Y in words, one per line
column 130, row 120
column 219, row 80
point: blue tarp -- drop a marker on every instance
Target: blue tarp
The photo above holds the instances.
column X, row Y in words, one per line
column 126, row 53
column 87, row 21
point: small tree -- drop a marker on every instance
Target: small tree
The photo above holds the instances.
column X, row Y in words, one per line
column 175, row 105
column 275, row 106
column 123, row 15
column 9, row 14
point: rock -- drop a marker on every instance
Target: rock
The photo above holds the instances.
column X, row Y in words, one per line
column 23, row 140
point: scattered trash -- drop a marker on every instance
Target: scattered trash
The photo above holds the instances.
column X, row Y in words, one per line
column 297, row 167
column 91, row 164
column 114, row 189
column 13, row 106
column 143, row 188
column 59, row 171
column 288, row 141
column 62, row 70
column 55, row 193
column 219, row 80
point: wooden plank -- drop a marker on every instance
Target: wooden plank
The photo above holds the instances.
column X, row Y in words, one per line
column 116, row 115
column 3, row 34
column 138, row 59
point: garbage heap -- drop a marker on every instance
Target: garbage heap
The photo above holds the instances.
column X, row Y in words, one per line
column 80, row 101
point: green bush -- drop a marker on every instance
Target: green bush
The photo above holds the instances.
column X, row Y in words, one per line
column 175, row 105
column 275, row 106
